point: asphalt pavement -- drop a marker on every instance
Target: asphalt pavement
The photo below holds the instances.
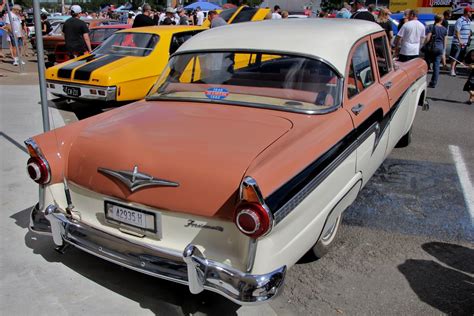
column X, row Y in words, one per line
column 406, row 245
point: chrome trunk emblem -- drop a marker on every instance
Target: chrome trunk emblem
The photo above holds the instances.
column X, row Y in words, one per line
column 135, row 180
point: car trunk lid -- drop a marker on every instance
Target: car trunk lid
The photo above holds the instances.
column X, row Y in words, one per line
column 205, row 148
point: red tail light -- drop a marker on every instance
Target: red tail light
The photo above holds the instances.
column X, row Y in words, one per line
column 252, row 219
column 38, row 170
column 37, row 166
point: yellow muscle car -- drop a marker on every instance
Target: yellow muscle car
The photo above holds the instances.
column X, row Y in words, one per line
column 123, row 68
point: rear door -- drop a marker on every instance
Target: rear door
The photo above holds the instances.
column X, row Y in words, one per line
column 397, row 86
column 366, row 100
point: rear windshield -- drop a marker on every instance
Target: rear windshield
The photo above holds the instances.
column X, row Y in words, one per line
column 268, row 80
column 100, row 35
column 128, row 44
column 245, row 15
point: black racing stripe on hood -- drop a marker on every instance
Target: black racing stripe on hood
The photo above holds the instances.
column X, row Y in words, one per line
column 66, row 71
column 84, row 72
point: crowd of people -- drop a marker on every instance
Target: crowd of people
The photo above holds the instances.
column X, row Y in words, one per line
column 412, row 38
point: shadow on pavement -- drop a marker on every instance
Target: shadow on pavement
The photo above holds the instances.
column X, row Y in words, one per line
column 79, row 109
column 446, row 100
column 450, row 288
column 416, row 198
column 158, row 296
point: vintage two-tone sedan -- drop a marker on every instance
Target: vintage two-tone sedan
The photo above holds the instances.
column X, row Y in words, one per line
column 123, row 68
column 241, row 160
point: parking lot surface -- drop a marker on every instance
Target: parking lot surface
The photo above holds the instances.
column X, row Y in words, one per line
column 406, row 245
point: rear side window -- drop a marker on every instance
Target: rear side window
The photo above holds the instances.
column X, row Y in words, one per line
column 178, row 39
column 361, row 74
column 383, row 61
column 245, row 15
column 227, row 14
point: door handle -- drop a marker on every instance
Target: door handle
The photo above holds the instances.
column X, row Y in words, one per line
column 388, row 85
column 357, row 108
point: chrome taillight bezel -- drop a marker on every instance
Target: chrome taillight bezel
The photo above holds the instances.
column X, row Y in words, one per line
column 38, row 160
column 252, row 203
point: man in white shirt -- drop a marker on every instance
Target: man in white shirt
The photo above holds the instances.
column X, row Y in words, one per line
column 14, row 27
column 410, row 38
column 199, row 16
column 276, row 13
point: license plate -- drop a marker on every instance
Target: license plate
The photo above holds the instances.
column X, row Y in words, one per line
column 72, row 91
column 130, row 216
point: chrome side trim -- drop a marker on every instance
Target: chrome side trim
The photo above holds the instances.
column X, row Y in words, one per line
column 377, row 127
column 300, row 196
column 189, row 267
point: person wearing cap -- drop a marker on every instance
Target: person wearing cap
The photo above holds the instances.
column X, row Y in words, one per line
column 276, row 13
column 169, row 18
column 143, row 19
column 76, row 34
column 215, row 19
column 199, row 16
column 462, row 35
column 14, row 27
column 183, row 18
column 410, row 38
column 361, row 12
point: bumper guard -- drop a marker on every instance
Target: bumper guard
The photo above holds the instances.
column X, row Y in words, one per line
column 189, row 267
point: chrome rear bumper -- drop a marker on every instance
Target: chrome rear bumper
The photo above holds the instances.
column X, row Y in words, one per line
column 189, row 267
column 104, row 94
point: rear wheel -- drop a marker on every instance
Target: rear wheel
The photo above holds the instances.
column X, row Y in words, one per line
column 327, row 240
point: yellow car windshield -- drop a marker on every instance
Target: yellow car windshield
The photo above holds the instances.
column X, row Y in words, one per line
column 277, row 81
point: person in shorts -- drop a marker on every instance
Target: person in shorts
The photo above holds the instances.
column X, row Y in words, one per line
column 462, row 35
column 15, row 30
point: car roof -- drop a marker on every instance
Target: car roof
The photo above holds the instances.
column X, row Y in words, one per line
column 328, row 39
column 162, row 29
column 111, row 26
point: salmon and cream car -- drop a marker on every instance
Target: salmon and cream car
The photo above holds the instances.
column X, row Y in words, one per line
column 123, row 68
column 242, row 158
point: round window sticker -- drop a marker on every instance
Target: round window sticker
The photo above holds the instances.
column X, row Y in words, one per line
column 217, row 93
